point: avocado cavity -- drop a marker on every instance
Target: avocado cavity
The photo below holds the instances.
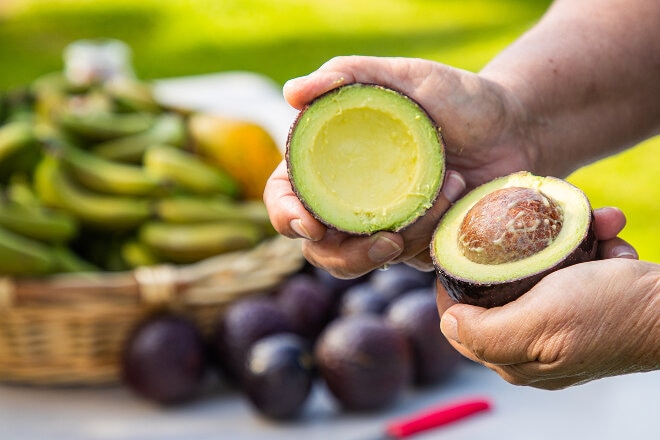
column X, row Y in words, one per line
column 364, row 158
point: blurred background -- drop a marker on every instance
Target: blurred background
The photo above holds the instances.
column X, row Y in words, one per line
column 289, row 38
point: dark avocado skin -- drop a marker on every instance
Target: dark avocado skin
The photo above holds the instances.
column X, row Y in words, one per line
column 498, row 294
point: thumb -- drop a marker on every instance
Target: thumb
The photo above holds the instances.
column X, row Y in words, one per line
column 497, row 336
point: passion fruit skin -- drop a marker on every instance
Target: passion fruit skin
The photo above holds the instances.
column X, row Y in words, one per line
column 287, row 157
column 365, row 362
column 500, row 292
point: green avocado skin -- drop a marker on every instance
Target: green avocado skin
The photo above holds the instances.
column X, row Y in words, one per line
column 499, row 294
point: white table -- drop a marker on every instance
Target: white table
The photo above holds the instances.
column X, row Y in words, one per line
column 625, row 407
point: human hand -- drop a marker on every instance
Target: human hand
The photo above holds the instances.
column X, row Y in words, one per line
column 578, row 324
column 477, row 122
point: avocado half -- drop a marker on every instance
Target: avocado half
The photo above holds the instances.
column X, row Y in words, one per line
column 503, row 237
column 364, row 158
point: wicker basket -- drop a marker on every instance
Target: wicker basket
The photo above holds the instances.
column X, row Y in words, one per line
column 70, row 329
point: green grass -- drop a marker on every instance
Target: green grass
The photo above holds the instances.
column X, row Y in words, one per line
column 288, row 38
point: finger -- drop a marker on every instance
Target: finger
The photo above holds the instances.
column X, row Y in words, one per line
column 616, row 248
column 487, row 335
column 351, row 69
column 421, row 261
column 349, row 256
column 442, row 299
column 288, row 216
column 536, row 375
column 608, row 222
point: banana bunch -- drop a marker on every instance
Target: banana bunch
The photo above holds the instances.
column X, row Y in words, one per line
column 100, row 176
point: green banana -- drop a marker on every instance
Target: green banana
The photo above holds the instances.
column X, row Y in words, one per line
column 56, row 189
column 104, row 125
column 19, row 149
column 187, row 243
column 133, row 95
column 169, row 128
column 69, row 261
column 22, row 256
column 196, row 209
column 20, row 191
column 137, row 254
column 109, row 177
column 15, row 136
column 37, row 222
column 188, row 171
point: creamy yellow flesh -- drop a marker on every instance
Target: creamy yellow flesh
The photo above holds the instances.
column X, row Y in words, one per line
column 364, row 165
column 576, row 210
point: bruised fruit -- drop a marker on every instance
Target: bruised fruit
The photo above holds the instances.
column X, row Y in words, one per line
column 364, row 158
column 164, row 359
column 278, row 375
column 415, row 314
column 503, row 237
column 365, row 363
column 241, row 325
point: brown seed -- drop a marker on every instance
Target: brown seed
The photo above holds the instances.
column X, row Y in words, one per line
column 508, row 225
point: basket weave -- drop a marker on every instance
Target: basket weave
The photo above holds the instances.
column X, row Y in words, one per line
column 70, row 329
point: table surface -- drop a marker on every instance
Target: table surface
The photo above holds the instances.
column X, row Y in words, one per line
column 613, row 408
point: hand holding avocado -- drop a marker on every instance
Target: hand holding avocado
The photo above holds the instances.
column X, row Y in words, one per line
column 540, row 106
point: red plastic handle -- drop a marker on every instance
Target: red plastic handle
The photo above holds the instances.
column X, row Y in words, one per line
column 436, row 417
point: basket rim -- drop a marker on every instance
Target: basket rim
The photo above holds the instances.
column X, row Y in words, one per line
column 215, row 279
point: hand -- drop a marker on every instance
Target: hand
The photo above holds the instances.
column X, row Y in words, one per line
column 578, row 324
column 477, row 122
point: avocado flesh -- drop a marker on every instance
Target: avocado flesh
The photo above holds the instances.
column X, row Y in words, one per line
column 490, row 285
column 363, row 158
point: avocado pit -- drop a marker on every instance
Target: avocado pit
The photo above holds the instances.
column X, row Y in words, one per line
column 509, row 224
column 503, row 237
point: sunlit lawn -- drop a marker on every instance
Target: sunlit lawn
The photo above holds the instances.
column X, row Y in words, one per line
column 288, row 38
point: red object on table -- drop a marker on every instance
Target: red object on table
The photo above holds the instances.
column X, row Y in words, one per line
column 436, row 417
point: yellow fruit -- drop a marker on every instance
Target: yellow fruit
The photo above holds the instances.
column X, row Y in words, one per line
column 243, row 149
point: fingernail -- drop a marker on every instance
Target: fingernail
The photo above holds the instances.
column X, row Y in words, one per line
column 383, row 249
column 624, row 252
column 449, row 327
column 297, row 226
column 454, row 186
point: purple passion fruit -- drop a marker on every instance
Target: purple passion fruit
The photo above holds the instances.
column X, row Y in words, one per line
column 364, row 158
column 278, row 375
column 241, row 325
column 415, row 314
column 503, row 237
column 164, row 359
column 365, row 363
column 307, row 302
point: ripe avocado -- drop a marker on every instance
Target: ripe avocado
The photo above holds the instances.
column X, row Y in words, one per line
column 365, row 363
column 364, row 158
column 503, row 237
